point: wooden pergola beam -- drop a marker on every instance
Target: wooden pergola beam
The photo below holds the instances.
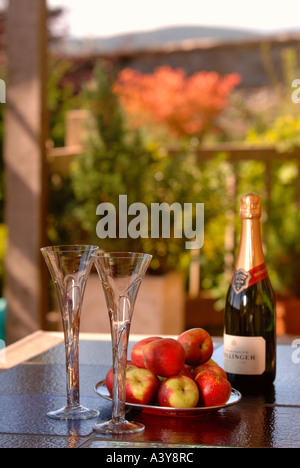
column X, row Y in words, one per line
column 246, row 152
column 25, row 166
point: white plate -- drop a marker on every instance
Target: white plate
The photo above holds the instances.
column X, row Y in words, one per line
column 101, row 390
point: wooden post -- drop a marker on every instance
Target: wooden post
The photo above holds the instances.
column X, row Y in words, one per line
column 25, row 163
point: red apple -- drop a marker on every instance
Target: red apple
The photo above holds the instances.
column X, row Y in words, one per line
column 137, row 351
column 211, row 361
column 198, row 346
column 110, row 376
column 214, row 390
column 187, row 372
column 178, row 392
column 141, row 385
column 165, row 357
column 214, row 367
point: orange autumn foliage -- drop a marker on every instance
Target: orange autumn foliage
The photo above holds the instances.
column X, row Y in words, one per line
column 188, row 105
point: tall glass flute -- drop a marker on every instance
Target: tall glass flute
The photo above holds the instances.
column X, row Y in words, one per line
column 69, row 267
column 121, row 275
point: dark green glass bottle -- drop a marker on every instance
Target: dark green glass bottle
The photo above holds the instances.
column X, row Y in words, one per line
column 250, row 310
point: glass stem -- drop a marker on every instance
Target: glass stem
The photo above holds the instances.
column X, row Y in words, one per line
column 120, row 339
column 71, row 331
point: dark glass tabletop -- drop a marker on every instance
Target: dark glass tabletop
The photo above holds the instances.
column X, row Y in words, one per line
column 32, row 388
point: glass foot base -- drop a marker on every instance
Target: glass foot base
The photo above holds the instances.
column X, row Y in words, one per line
column 78, row 412
column 124, row 427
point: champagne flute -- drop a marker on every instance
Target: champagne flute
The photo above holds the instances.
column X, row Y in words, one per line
column 121, row 274
column 69, row 266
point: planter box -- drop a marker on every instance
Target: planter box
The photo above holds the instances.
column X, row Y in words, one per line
column 288, row 315
column 160, row 307
column 201, row 313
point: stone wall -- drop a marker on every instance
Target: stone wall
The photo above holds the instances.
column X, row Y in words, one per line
column 253, row 58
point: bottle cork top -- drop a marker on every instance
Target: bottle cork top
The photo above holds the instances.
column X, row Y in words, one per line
column 250, row 206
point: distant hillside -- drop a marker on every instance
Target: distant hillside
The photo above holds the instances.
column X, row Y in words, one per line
column 151, row 39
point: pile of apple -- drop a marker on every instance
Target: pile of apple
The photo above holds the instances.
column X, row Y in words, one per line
column 175, row 373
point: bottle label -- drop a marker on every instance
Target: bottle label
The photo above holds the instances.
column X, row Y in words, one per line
column 243, row 279
column 244, row 355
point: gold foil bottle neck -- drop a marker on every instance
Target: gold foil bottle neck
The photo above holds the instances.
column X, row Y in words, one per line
column 250, row 206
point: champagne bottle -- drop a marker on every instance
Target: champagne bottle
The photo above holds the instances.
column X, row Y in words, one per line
column 250, row 310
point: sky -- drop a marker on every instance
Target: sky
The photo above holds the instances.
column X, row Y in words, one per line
column 90, row 18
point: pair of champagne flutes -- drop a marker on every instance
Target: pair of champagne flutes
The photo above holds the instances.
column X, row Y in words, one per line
column 121, row 274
